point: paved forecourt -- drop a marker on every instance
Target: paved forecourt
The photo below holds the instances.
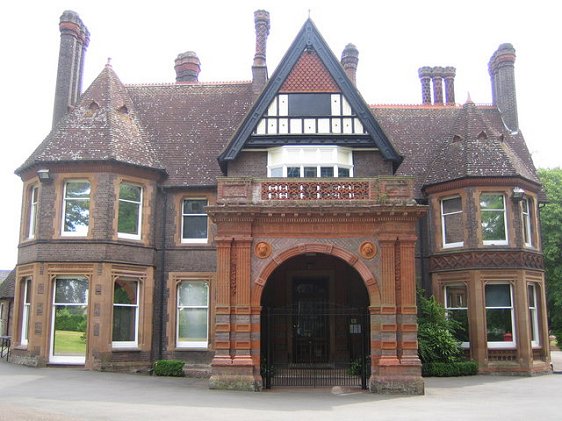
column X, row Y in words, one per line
column 76, row 394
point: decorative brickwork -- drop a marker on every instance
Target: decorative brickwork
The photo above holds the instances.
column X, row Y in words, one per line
column 309, row 75
column 486, row 259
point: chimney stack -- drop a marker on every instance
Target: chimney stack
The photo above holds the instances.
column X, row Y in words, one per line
column 436, row 76
column 349, row 60
column 187, row 67
column 259, row 68
column 437, row 79
column 74, row 40
column 425, row 78
column 502, row 75
column 449, row 77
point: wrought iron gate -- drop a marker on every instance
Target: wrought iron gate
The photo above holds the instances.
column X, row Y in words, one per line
column 315, row 345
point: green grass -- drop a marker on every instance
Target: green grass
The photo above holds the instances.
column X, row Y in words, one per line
column 69, row 343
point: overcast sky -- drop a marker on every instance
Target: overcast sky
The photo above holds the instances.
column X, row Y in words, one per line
column 394, row 39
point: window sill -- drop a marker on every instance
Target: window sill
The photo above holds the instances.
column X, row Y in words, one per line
column 126, row 238
column 508, row 347
column 185, row 348
column 452, row 246
column 126, row 349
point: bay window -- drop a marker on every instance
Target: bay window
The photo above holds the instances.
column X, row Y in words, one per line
column 76, row 208
column 451, row 222
column 26, row 311
column 130, row 211
column 500, row 316
column 533, row 314
column 456, row 307
column 526, row 221
column 33, row 201
column 125, row 313
column 493, row 219
column 310, row 162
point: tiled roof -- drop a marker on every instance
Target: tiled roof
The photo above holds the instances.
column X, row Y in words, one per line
column 444, row 143
column 182, row 128
column 309, row 75
column 102, row 127
column 177, row 128
column 191, row 124
column 7, row 287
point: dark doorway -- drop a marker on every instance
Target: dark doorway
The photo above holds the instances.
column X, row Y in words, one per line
column 315, row 324
column 311, row 324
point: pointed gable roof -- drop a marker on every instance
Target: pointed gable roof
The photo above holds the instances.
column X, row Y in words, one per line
column 296, row 69
column 102, row 127
column 477, row 147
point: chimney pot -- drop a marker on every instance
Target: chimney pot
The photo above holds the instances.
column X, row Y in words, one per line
column 502, row 76
column 424, row 74
column 262, row 23
column 437, row 79
column 449, row 76
column 74, row 40
column 349, row 60
column 188, row 67
column 259, row 68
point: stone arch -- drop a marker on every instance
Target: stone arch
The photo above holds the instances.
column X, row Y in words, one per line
column 366, row 275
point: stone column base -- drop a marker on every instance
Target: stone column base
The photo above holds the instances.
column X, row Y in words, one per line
column 399, row 380
column 235, row 378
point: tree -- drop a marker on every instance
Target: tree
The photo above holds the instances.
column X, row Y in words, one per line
column 436, row 332
column 551, row 230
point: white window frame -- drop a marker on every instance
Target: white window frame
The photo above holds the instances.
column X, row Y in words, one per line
column 135, row 342
column 187, row 215
column 33, row 202
column 527, row 222
column 289, row 156
column 26, row 311
column 533, row 315
column 137, row 235
column 496, row 242
column 191, row 344
column 444, row 225
column 79, row 233
column 502, row 344
column 448, row 308
column 67, row 359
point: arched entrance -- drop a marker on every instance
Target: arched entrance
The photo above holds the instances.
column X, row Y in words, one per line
column 315, row 324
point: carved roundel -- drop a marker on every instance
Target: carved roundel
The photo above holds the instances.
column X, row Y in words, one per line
column 263, row 250
column 368, row 250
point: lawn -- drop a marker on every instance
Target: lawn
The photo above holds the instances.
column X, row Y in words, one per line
column 69, row 343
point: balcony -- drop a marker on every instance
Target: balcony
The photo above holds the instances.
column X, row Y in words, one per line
column 384, row 190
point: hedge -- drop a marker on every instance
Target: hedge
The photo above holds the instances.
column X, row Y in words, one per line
column 173, row 368
column 451, row 369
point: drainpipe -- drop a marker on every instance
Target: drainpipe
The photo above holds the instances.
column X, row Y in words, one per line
column 162, row 274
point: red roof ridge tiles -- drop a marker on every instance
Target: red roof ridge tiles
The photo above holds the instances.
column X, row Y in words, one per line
column 426, row 106
column 167, row 84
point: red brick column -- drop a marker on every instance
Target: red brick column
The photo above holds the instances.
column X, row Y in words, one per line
column 406, row 303
column 222, row 309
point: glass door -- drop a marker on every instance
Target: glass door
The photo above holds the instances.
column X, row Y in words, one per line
column 69, row 322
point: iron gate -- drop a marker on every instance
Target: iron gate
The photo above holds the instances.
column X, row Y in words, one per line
column 315, row 345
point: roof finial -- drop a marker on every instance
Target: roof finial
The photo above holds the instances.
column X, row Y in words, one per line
column 468, row 98
column 308, row 13
column 108, row 64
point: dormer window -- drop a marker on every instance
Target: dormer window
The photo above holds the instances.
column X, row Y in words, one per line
column 309, row 162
